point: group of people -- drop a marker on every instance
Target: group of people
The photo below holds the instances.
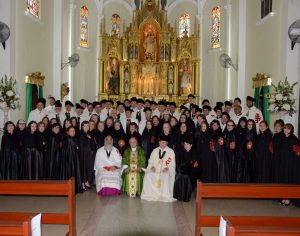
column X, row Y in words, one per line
column 149, row 149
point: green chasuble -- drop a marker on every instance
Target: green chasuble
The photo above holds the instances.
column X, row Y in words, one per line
column 133, row 180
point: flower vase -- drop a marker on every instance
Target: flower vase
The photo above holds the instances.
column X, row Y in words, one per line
column 5, row 111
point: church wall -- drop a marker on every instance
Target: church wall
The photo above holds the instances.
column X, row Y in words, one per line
column 213, row 79
column 33, row 48
column 265, row 48
column 85, row 73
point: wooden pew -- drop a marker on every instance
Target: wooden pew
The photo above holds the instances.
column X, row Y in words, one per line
column 16, row 227
column 243, row 191
column 232, row 230
column 42, row 188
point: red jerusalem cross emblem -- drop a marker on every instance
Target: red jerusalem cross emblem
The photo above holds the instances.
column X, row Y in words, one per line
column 257, row 118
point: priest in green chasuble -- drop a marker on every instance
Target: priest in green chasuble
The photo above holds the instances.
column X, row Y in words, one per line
column 133, row 162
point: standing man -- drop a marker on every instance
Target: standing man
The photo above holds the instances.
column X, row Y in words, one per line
column 57, row 113
column 69, row 110
column 51, row 106
column 160, row 174
column 253, row 112
column 39, row 113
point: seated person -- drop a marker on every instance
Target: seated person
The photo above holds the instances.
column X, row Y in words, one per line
column 160, row 174
column 133, row 161
column 108, row 169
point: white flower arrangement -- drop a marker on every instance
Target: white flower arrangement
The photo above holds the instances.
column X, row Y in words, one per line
column 282, row 99
column 8, row 94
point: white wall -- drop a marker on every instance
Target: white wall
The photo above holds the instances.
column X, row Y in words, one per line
column 33, row 48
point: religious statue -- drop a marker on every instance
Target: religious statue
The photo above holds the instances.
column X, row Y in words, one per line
column 114, row 80
column 170, row 79
column 150, row 46
column 126, row 79
column 185, row 78
column 163, row 4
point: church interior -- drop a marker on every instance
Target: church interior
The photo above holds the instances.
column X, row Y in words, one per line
column 156, row 50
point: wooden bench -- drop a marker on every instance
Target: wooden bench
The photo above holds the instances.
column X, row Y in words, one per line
column 232, row 230
column 243, row 191
column 16, row 227
column 42, row 188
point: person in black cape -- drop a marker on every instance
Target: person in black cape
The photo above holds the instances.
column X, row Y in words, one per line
column 109, row 124
column 263, row 154
column 42, row 145
column 33, row 162
column 21, row 134
column 119, row 138
column 248, row 153
column 156, row 129
column 133, row 131
column 241, row 132
column 9, row 157
column 288, row 154
column 87, row 149
column 54, row 152
column 230, row 150
column 100, row 134
column 70, row 159
column 207, row 162
column 278, row 138
column 180, row 139
column 217, row 146
column 185, row 160
column 148, row 139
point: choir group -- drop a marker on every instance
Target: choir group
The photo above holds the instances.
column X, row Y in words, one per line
column 137, row 142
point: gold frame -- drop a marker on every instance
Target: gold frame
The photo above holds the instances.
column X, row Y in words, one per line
column 35, row 78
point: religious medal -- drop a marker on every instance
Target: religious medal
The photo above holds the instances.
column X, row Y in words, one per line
column 158, row 183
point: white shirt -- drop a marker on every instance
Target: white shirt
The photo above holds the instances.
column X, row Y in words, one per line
column 36, row 115
column 254, row 114
column 49, row 109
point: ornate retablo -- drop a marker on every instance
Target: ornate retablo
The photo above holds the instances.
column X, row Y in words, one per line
column 149, row 59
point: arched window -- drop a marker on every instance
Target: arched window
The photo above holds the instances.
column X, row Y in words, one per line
column 33, row 7
column 115, row 24
column 215, row 29
column 184, row 25
column 84, row 14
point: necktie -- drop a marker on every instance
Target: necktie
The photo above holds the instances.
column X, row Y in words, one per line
column 78, row 122
column 138, row 116
column 57, row 118
column 68, row 115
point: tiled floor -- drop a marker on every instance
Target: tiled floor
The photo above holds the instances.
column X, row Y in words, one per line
column 124, row 216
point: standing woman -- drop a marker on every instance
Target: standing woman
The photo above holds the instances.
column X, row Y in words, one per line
column 207, row 173
column 217, row 147
column 70, row 159
column 54, row 152
column 166, row 130
column 278, row 138
column 241, row 132
column 183, row 186
column 263, row 154
column 248, row 153
column 119, row 139
column 100, row 134
column 288, row 154
column 9, row 157
column 148, row 139
column 230, row 150
column 31, row 162
column 180, row 141
column 42, row 145
column 87, row 149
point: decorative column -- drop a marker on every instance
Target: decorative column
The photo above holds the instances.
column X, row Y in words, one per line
column 71, row 45
column 228, row 81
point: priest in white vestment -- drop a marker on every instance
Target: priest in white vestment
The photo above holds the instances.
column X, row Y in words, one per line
column 108, row 169
column 160, row 174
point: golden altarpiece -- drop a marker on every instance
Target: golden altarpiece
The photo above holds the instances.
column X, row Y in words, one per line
column 149, row 60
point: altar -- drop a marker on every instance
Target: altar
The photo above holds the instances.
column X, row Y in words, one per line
column 149, row 60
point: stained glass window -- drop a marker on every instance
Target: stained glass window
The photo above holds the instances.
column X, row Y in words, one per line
column 84, row 14
column 215, row 29
column 115, row 24
column 184, row 25
column 266, row 8
column 33, row 7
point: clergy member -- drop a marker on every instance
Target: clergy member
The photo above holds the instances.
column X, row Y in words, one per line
column 253, row 112
column 133, row 161
column 108, row 169
column 160, row 174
